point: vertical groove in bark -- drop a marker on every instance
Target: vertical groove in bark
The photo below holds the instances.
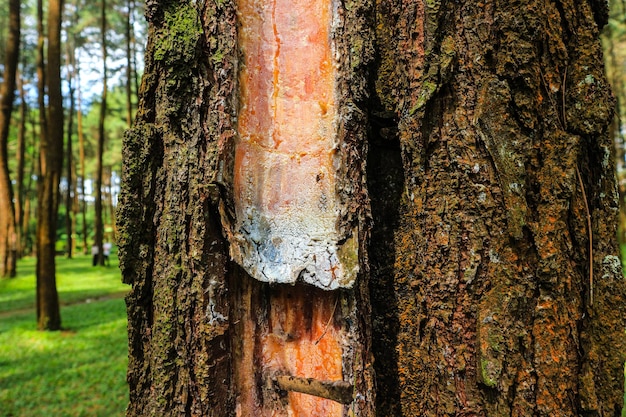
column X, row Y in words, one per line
column 497, row 106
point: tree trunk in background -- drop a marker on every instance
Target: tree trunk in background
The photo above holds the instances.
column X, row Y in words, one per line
column 8, row 236
column 48, row 313
column 615, row 75
column 110, row 206
column 69, row 158
column 98, row 223
column 19, row 182
column 33, row 172
column 81, row 156
column 495, row 287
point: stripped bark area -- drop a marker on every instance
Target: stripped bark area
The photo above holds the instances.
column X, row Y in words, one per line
column 497, row 106
column 286, row 161
column 300, row 332
column 300, row 208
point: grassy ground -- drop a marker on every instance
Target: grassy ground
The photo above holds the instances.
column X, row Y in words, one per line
column 77, row 281
column 79, row 371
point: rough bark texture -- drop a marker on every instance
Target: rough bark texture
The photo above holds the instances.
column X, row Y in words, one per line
column 501, row 108
column 171, row 245
column 488, row 150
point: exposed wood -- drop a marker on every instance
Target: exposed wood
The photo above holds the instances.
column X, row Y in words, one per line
column 288, row 209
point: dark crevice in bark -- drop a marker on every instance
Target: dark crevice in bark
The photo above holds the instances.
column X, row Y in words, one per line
column 567, row 32
column 385, row 185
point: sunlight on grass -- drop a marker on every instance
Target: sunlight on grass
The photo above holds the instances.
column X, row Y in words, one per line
column 80, row 371
column 76, row 372
column 77, row 281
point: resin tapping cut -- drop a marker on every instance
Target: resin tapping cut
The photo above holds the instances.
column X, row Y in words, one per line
column 287, row 206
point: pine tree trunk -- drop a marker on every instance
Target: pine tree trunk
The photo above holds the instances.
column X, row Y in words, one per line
column 507, row 284
column 129, row 62
column 8, row 236
column 19, row 181
column 81, row 160
column 98, row 223
column 489, row 280
column 48, row 312
column 69, row 158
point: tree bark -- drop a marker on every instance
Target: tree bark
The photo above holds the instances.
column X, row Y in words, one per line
column 490, row 285
column 51, row 154
column 8, row 236
column 129, row 35
column 503, row 133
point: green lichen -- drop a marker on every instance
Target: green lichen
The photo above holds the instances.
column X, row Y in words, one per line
column 182, row 31
column 348, row 254
column 490, row 371
column 428, row 89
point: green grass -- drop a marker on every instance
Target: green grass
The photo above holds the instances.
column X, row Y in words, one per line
column 80, row 371
column 77, row 281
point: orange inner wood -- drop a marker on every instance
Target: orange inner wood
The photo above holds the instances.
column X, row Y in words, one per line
column 287, row 103
column 284, row 171
column 284, row 179
column 303, row 340
column 296, row 332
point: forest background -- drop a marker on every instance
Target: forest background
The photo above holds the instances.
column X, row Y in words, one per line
column 99, row 59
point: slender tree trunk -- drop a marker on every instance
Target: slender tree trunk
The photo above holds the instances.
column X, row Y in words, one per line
column 8, row 236
column 616, row 77
column 99, row 225
column 33, row 172
column 133, row 48
column 69, row 158
column 20, row 159
column 48, row 313
column 110, row 205
column 81, row 156
column 489, row 282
